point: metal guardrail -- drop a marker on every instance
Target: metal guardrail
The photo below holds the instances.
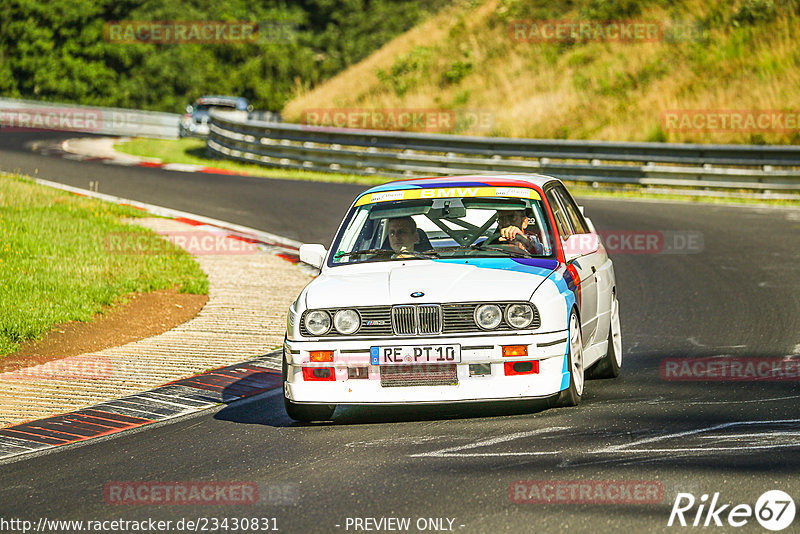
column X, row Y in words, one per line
column 15, row 113
column 403, row 154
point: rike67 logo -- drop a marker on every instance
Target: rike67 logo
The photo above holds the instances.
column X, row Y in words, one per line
column 774, row 510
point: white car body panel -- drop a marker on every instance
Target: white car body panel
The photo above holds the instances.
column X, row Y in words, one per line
column 373, row 284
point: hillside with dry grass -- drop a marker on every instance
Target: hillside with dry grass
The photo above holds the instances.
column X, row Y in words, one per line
column 489, row 57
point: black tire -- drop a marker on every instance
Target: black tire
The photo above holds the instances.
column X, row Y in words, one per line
column 572, row 395
column 610, row 365
column 304, row 412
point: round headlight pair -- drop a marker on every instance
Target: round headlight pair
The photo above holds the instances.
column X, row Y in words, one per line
column 318, row 322
column 488, row 316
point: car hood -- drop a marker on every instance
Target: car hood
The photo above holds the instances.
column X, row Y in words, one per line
column 386, row 283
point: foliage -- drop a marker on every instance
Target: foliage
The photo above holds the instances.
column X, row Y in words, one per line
column 408, row 69
column 57, row 50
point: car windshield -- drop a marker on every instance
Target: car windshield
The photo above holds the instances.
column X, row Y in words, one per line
column 454, row 227
column 220, row 106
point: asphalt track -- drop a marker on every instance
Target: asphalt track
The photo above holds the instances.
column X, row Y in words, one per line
column 737, row 297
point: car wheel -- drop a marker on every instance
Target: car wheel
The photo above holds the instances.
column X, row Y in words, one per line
column 304, row 412
column 572, row 395
column 609, row 365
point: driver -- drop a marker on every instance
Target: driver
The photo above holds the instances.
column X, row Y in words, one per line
column 512, row 223
column 402, row 234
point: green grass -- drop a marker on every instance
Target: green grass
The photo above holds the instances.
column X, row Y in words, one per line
column 56, row 264
column 193, row 151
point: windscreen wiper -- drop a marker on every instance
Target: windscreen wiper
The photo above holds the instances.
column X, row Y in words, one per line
column 515, row 252
column 384, row 252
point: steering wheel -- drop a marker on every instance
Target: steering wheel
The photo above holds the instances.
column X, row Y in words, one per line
column 495, row 238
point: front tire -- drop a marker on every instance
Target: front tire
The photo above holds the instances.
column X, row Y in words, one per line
column 572, row 395
column 304, row 412
column 609, row 365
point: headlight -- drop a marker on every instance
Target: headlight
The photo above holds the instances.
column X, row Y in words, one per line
column 318, row 322
column 346, row 321
column 488, row 316
column 519, row 315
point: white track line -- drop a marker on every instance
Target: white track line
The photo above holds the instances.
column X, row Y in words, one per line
column 492, row 441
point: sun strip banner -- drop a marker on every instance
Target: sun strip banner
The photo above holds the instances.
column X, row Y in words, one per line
column 448, row 192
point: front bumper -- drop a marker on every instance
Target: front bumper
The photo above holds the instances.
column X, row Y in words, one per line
column 477, row 354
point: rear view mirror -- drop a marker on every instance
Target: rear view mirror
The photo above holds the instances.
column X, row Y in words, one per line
column 448, row 213
column 444, row 208
column 313, row 254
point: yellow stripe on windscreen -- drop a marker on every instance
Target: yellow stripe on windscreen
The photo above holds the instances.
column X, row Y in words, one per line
column 448, row 192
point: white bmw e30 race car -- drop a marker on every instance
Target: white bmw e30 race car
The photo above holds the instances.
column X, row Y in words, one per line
column 426, row 298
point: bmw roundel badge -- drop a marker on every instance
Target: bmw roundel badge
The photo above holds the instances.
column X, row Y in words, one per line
column 416, row 294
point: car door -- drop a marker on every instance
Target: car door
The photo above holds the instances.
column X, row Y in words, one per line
column 580, row 248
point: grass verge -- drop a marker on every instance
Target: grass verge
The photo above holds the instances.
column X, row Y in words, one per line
column 55, row 265
column 193, row 151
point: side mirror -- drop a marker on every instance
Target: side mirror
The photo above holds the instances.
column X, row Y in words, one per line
column 189, row 108
column 313, row 255
column 578, row 245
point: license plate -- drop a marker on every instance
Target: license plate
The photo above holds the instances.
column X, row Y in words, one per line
column 415, row 354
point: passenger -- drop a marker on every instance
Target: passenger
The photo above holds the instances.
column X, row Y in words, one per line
column 402, row 234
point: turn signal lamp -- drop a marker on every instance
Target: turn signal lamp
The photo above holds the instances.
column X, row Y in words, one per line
column 510, row 351
column 321, row 355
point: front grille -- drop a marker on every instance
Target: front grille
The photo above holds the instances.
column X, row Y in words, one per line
column 429, row 317
column 409, row 320
column 418, row 375
column 460, row 318
column 421, row 319
column 404, row 320
column 375, row 321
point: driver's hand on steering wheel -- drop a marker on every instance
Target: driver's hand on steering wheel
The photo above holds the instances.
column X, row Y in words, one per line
column 509, row 233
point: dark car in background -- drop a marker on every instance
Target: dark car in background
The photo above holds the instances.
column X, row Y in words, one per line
column 196, row 120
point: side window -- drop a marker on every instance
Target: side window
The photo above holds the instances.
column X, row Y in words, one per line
column 574, row 214
column 564, row 228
